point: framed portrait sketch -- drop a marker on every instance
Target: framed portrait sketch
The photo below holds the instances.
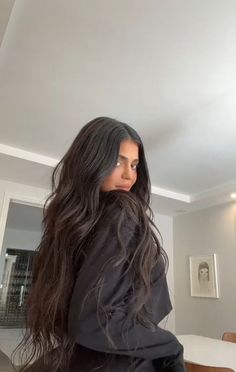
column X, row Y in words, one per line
column 203, row 276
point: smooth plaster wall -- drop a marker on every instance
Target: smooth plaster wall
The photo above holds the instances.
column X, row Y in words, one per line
column 204, row 232
column 165, row 225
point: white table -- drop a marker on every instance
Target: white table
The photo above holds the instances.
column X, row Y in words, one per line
column 208, row 351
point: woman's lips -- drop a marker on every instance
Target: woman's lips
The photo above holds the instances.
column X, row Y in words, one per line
column 125, row 188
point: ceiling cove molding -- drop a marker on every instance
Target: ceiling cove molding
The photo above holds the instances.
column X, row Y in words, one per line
column 27, row 155
column 224, row 189
column 171, row 194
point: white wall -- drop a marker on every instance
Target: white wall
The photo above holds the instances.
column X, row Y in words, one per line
column 19, row 188
column 165, row 226
column 211, row 230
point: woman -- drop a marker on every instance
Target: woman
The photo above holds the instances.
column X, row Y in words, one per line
column 99, row 286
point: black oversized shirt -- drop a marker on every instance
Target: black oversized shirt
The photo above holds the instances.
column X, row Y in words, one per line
column 87, row 320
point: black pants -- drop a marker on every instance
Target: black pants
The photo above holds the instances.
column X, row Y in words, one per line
column 174, row 363
column 86, row 360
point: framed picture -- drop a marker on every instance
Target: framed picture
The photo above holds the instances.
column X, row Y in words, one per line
column 203, row 276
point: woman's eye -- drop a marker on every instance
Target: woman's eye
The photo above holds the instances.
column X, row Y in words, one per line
column 134, row 166
column 118, row 163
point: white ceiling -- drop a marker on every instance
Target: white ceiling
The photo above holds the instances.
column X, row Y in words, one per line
column 168, row 68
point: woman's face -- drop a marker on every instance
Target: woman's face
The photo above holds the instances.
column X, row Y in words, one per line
column 124, row 175
column 204, row 274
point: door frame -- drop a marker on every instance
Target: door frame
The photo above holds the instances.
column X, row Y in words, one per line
column 18, row 199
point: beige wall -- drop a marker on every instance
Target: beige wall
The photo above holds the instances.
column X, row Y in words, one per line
column 211, row 230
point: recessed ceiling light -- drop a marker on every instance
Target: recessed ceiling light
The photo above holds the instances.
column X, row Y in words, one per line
column 233, row 195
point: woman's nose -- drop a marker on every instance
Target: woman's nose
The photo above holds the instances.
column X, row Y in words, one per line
column 127, row 173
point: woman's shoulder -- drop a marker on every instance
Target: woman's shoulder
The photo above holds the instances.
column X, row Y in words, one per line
column 121, row 205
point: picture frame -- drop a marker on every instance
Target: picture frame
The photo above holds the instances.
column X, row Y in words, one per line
column 204, row 276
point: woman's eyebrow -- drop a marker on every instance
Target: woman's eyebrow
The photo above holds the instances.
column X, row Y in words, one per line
column 125, row 158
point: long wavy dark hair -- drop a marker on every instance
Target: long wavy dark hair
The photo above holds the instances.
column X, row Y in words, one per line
column 70, row 213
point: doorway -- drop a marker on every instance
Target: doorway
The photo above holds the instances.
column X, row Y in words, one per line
column 20, row 234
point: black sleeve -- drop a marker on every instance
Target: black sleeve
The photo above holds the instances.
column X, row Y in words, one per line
column 87, row 325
